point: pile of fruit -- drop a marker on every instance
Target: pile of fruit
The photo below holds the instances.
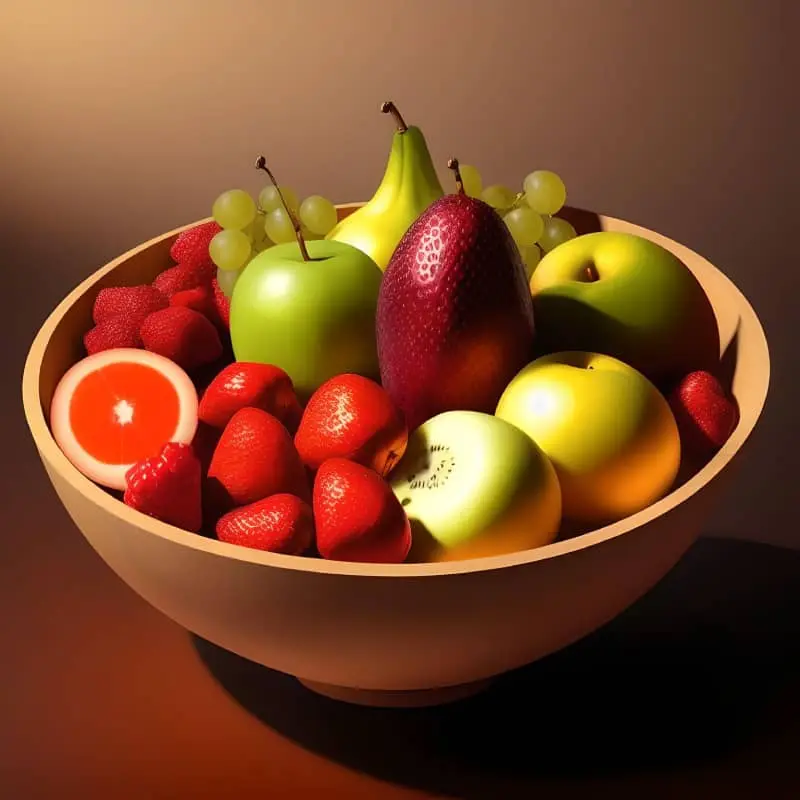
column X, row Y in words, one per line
column 434, row 376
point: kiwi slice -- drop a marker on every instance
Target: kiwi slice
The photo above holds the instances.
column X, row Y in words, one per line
column 474, row 485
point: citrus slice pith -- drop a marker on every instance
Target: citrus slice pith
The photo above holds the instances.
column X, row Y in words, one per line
column 119, row 406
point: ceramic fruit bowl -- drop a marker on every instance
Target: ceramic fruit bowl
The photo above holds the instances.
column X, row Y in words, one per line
column 407, row 634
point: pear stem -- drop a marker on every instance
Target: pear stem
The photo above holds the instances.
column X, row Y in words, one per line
column 261, row 163
column 453, row 165
column 390, row 108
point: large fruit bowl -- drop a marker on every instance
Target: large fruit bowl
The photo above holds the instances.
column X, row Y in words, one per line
column 406, row 634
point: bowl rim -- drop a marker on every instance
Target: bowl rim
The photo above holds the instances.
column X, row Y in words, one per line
column 52, row 454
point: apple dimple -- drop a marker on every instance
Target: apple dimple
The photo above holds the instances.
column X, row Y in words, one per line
column 588, row 273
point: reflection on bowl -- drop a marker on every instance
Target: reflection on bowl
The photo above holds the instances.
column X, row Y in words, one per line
column 406, row 634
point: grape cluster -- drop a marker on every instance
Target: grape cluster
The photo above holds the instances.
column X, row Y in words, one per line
column 529, row 214
column 250, row 226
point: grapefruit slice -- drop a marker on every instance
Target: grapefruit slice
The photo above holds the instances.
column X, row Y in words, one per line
column 119, row 406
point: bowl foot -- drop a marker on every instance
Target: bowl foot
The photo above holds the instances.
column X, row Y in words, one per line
column 414, row 698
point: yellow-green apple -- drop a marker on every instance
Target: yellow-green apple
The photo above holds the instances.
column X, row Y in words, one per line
column 312, row 318
column 473, row 485
column 625, row 296
column 609, row 433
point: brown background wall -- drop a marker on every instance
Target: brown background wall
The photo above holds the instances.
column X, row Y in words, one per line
column 122, row 119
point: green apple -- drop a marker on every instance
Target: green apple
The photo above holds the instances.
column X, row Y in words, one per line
column 473, row 485
column 607, row 430
column 314, row 319
column 628, row 297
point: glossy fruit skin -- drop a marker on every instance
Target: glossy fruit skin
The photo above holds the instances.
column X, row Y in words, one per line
column 455, row 316
column 409, row 185
column 475, row 486
column 647, row 308
column 608, row 431
column 357, row 516
column 280, row 523
column 254, row 458
column 313, row 319
column 706, row 414
column 351, row 417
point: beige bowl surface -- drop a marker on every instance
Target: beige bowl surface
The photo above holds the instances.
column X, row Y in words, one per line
column 390, row 634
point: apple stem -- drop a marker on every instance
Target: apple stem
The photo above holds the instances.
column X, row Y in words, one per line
column 592, row 274
column 453, row 165
column 390, row 108
column 261, row 163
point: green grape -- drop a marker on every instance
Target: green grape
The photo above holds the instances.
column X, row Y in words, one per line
column 318, row 214
column 531, row 256
column 234, row 209
column 471, row 178
column 226, row 278
column 309, row 235
column 230, row 249
column 498, row 196
column 278, row 226
column 526, row 226
column 258, row 234
column 269, row 199
column 556, row 232
column 545, row 192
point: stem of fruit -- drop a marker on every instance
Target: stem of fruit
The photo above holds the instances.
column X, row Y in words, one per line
column 261, row 163
column 390, row 108
column 591, row 273
column 453, row 165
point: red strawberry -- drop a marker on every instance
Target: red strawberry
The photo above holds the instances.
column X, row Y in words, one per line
column 132, row 301
column 243, row 384
column 120, row 331
column 358, row 517
column 193, row 241
column 705, row 413
column 167, row 487
column 222, row 303
column 200, row 299
column 255, row 458
column 201, row 265
column 281, row 523
column 352, row 417
column 176, row 279
column 182, row 335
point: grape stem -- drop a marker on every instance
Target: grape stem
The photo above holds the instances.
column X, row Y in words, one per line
column 390, row 108
column 452, row 164
column 261, row 163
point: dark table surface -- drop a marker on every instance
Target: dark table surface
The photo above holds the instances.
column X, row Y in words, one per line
column 695, row 692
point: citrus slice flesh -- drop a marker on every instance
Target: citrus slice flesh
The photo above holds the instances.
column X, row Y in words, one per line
column 118, row 407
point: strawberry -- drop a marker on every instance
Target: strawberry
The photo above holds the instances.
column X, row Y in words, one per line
column 182, row 335
column 281, row 523
column 132, row 301
column 119, row 331
column 201, row 265
column 244, row 384
column 255, row 458
column 167, row 487
column 200, row 299
column 358, row 517
column 176, row 279
column 193, row 241
column 705, row 413
column 350, row 416
column 222, row 303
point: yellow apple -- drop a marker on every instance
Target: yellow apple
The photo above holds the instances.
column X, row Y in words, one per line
column 609, row 433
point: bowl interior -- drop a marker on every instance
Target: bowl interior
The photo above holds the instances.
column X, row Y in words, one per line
column 58, row 345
